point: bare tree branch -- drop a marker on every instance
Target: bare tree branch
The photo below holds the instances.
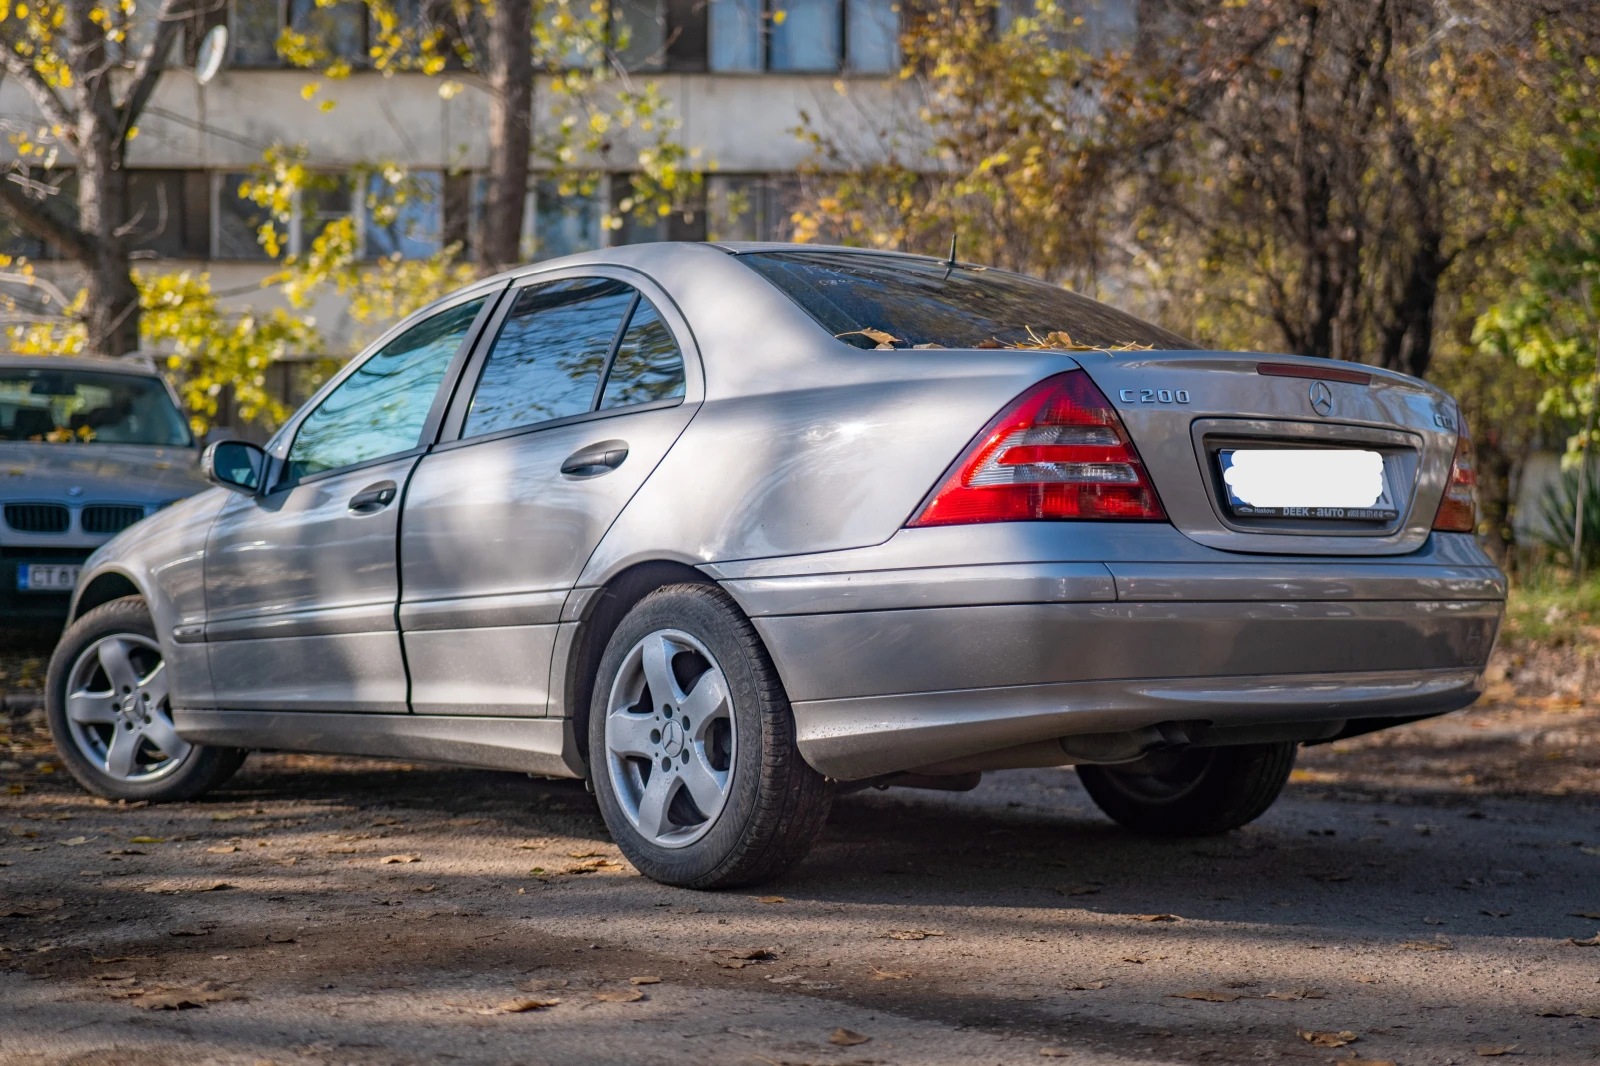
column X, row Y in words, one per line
column 44, row 97
column 31, row 216
column 151, row 65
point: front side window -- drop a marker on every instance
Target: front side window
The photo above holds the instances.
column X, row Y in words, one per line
column 380, row 409
column 860, row 298
column 84, row 407
column 549, row 355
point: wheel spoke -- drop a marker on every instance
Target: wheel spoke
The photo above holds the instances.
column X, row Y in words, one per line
column 657, row 654
column 155, row 686
column 629, row 734
column 705, row 701
column 159, row 731
column 705, row 785
column 124, row 746
column 118, row 666
column 653, row 804
column 90, row 709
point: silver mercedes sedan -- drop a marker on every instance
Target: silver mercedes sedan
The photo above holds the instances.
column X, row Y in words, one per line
column 730, row 529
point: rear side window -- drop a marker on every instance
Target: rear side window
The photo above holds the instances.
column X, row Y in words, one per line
column 552, row 349
column 380, row 409
column 648, row 366
column 901, row 302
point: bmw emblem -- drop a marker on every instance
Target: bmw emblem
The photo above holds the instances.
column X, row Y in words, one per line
column 74, row 491
column 1321, row 398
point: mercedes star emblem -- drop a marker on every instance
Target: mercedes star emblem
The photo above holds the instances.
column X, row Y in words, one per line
column 1321, row 398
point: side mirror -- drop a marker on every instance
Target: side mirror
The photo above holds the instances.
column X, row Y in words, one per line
column 234, row 464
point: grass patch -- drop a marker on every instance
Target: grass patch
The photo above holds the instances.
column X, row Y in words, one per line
column 1551, row 610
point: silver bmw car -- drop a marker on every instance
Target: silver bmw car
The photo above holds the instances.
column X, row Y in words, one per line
column 728, row 529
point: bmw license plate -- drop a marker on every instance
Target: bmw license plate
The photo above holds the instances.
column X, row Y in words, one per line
column 46, row 577
column 1342, row 484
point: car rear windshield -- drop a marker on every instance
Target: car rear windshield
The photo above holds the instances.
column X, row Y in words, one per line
column 87, row 407
column 874, row 301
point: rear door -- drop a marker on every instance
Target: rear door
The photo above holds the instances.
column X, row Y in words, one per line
column 588, row 381
column 301, row 582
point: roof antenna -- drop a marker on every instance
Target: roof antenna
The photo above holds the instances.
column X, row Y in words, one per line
column 950, row 264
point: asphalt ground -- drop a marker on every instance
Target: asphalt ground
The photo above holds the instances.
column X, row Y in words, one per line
column 1420, row 896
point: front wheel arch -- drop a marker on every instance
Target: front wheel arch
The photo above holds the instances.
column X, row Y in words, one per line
column 104, row 587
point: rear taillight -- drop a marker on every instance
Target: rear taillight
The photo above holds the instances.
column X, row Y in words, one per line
column 1458, row 511
column 1058, row 451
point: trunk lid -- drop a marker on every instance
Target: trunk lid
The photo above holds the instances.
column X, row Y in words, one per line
column 1184, row 410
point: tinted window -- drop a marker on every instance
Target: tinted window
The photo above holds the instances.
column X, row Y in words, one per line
column 648, row 365
column 548, row 357
column 922, row 301
column 379, row 410
column 83, row 407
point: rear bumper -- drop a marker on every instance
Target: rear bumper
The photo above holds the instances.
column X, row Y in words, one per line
column 905, row 666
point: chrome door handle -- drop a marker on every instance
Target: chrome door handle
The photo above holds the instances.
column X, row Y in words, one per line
column 373, row 498
column 596, row 459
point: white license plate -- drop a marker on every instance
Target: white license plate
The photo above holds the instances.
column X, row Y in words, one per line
column 1344, row 484
column 40, row 577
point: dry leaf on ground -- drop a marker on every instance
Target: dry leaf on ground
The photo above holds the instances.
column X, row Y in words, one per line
column 342, row 849
column 1155, row 917
column 73, row 842
column 28, row 908
column 1053, row 1053
column 118, row 958
column 166, row 997
column 521, row 1006
column 1585, row 914
column 1562, row 1012
column 644, row 980
column 1491, row 1052
column 1592, row 942
column 627, row 995
column 1086, row 986
column 399, row 858
column 847, row 1037
column 912, row 934
column 889, row 975
column 223, row 849
column 1358, row 1061
column 1322, row 1039
column 1209, row 995
column 1302, row 993
column 1078, row 890
column 1496, row 914
column 771, row 899
column 189, row 931
column 147, row 840
column 280, row 938
column 1441, row 944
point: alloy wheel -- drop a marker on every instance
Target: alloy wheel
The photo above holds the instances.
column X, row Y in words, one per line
column 670, row 737
column 118, row 709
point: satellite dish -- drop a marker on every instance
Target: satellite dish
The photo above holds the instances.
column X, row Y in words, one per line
column 213, row 48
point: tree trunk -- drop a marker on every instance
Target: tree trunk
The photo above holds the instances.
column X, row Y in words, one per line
column 111, row 314
column 509, row 70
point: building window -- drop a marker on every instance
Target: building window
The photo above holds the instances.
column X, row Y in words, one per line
column 340, row 28
column 639, row 33
column 1099, row 25
column 169, row 214
column 317, row 207
column 405, row 220
column 564, row 224
column 750, row 207
column 236, row 221
column 804, row 36
column 253, row 28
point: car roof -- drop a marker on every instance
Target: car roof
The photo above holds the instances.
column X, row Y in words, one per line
column 140, row 365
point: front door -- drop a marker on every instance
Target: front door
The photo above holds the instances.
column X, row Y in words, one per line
column 301, row 581
column 556, row 427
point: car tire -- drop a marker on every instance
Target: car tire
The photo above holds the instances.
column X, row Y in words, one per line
column 107, row 706
column 732, row 801
column 1195, row 792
